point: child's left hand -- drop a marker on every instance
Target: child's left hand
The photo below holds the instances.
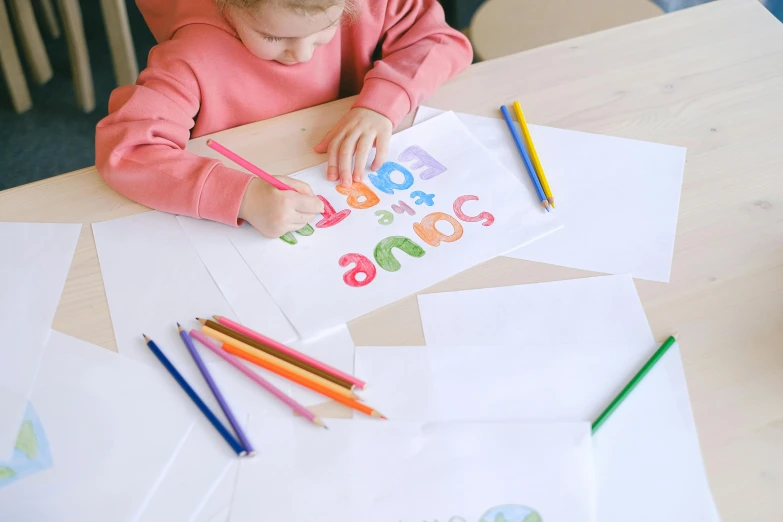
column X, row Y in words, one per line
column 356, row 132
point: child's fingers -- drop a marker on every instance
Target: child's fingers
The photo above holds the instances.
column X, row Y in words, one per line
column 332, row 159
column 307, row 204
column 345, row 157
column 362, row 152
column 301, row 219
column 299, row 186
column 323, row 146
column 381, row 149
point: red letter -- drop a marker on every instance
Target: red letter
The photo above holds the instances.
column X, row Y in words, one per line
column 363, row 266
column 331, row 218
column 486, row 216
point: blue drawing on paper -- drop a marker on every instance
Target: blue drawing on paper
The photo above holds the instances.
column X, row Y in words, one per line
column 31, row 452
column 511, row 513
column 422, row 197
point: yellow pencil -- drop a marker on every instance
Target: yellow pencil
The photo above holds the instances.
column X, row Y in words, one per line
column 533, row 154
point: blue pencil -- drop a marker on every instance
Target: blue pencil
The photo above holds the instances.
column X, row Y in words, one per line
column 215, row 390
column 522, row 152
column 230, row 439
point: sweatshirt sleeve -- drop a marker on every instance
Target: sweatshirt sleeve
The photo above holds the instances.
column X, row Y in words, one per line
column 140, row 145
column 419, row 52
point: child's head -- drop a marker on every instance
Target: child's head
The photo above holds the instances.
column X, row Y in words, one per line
column 287, row 31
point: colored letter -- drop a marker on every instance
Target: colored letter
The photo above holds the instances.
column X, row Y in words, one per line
column 359, row 195
column 386, row 217
column 403, row 207
column 414, row 152
column 486, row 216
column 331, row 217
column 423, row 197
column 383, row 179
column 289, row 238
column 385, row 257
column 363, row 266
column 432, row 236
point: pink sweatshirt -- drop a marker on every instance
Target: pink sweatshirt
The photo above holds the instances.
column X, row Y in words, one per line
column 201, row 79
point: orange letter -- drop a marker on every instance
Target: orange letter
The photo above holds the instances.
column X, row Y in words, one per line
column 359, row 195
column 432, row 236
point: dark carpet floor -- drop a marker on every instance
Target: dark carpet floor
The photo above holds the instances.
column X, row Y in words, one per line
column 55, row 137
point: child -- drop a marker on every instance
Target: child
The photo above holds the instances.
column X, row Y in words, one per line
column 224, row 63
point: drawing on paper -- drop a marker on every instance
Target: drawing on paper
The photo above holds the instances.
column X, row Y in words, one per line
column 31, row 452
column 511, row 513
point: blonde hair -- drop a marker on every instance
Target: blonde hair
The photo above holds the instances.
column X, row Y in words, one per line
column 308, row 7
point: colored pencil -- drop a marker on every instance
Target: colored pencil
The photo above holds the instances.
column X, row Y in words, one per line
column 239, row 160
column 274, row 362
column 229, row 438
column 531, row 148
column 268, row 341
column 274, row 352
column 268, row 386
column 215, row 390
column 307, row 383
column 633, row 383
column 522, row 152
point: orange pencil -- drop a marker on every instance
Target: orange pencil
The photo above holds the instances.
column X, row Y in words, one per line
column 307, row 383
column 274, row 361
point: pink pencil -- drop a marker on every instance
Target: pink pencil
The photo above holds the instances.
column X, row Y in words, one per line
column 298, row 408
column 263, row 339
column 239, row 160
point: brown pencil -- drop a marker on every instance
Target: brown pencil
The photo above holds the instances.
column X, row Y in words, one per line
column 277, row 353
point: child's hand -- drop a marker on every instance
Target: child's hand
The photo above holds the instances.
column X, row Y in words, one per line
column 356, row 132
column 274, row 212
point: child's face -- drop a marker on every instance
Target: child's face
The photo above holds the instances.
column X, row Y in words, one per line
column 284, row 35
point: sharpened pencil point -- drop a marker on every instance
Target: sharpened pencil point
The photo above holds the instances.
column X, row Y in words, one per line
column 217, row 317
column 200, row 320
column 145, row 337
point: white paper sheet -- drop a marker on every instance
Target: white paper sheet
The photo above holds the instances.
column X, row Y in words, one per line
column 34, row 264
column 154, row 278
column 605, row 309
column 618, row 198
column 542, row 383
column 247, row 296
column 307, row 279
column 409, row 472
column 112, row 428
column 647, row 455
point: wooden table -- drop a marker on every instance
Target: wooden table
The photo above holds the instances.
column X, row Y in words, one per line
column 708, row 78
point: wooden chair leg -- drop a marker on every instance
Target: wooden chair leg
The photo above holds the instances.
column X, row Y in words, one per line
column 12, row 67
column 115, row 17
column 50, row 18
column 32, row 43
column 71, row 15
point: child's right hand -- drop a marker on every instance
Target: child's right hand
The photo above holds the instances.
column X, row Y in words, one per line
column 274, row 212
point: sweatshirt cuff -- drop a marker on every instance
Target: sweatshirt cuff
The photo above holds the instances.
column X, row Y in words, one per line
column 222, row 193
column 386, row 98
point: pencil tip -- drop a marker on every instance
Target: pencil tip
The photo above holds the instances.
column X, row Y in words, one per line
column 216, row 318
column 179, row 325
column 209, row 141
column 384, row 417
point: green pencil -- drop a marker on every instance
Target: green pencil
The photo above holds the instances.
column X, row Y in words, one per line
column 634, row 382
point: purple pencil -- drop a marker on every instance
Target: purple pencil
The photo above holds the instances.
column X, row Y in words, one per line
column 215, row 390
column 298, row 408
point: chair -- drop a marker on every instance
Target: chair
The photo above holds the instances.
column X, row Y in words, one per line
column 503, row 27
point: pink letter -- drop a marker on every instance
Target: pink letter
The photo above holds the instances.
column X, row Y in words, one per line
column 486, row 216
